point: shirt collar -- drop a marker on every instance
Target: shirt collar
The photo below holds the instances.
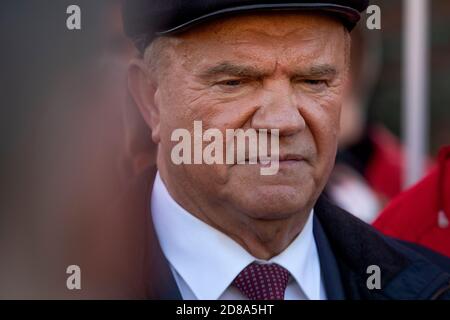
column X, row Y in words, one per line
column 301, row 259
column 208, row 260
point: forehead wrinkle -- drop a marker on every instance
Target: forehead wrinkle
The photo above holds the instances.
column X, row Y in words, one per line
column 274, row 24
column 293, row 40
column 285, row 52
column 247, row 46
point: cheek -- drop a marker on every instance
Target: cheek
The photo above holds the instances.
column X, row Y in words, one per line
column 179, row 111
column 175, row 110
column 172, row 117
column 322, row 117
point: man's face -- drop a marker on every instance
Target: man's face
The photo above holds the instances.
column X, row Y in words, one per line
column 283, row 72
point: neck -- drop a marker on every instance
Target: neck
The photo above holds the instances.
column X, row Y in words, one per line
column 264, row 239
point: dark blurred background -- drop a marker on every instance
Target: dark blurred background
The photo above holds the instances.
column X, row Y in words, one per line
column 386, row 103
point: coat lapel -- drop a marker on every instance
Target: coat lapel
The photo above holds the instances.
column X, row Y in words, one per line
column 329, row 267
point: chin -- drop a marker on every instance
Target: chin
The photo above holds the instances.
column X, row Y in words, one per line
column 273, row 202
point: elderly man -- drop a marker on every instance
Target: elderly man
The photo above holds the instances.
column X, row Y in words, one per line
column 224, row 230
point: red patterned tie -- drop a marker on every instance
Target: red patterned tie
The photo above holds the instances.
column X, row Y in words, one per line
column 262, row 281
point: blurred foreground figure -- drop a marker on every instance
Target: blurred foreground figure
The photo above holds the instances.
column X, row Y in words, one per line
column 74, row 149
column 421, row 214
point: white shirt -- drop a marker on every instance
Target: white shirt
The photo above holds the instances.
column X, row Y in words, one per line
column 205, row 261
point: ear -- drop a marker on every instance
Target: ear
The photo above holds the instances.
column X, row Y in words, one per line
column 144, row 90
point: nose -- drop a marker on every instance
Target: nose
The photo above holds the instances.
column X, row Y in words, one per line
column 278, row 110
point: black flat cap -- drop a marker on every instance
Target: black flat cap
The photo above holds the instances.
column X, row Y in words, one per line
column 144, row 20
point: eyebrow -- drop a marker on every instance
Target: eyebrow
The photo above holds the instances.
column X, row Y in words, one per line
column 325, row 70
column 235, row 70
column 231, row 69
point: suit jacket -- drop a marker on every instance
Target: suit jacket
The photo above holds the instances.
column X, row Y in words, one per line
column 347, row 247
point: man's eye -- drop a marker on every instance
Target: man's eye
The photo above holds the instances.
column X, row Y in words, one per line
column 316, row 85
column 311, row 82
column 231, row 83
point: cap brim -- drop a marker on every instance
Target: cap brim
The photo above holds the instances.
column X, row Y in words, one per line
column 349, row 15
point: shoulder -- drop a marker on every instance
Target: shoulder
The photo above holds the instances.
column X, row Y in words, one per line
column 409, row 271
column 440, row 260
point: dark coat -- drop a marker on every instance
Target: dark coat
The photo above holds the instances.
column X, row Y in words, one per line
column 407, row 270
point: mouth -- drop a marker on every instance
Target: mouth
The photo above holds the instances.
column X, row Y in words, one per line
column 284, row 159
column 291, row 157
